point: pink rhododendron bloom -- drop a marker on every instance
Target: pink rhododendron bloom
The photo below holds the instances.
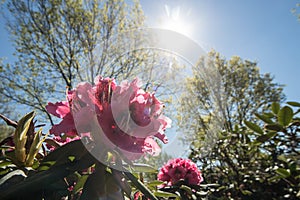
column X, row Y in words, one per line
column 122, row 116
column 180, row 169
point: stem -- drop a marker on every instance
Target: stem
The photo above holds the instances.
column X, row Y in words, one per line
column 140, row 186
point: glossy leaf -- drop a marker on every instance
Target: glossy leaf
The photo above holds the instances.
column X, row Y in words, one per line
column 12, row 175
column 80, row 183
column 264, row 118
column 155, row 183
column 269, row 114
column 273, row 127
column 246, row 192
column 253, row 127
column 265, row 137
column 202, row 193
column 274, row 178
column 283, row 172
column 25, row 125
column 5, row 163
column 187, row 189
column 165, row 194
column 139, row 167
column 275, row 107
column 74, row 150
column 293, row 103
column 101, row 185
column 35, row 147
column 285, row 115
column 45, row 178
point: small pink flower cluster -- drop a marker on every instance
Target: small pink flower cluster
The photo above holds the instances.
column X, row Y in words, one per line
column 123, row 116
column 180, row 169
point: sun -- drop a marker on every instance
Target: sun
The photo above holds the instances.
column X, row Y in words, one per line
column 173, row 20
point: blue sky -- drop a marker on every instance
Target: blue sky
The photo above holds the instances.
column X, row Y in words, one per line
column 263, row 31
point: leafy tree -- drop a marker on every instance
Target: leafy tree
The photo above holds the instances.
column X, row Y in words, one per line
column 224, row 93
column 6, row 110
column 61, row 42
column 281, row 144
column 264, row 164
column 220, row 96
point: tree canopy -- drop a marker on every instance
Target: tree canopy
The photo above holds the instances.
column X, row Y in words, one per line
column 232, row 91
column 254, row 153
column 61, row 42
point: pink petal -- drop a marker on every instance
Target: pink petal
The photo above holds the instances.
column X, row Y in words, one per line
column 151, row 147
column 59, row 109
column 83, row 92
column 66, row 126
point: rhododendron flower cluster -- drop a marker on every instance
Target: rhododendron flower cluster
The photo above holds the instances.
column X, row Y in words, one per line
column 180, row 169
column 123, row 116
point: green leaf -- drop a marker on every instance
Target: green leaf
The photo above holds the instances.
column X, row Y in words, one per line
column 24, row 129
column 265, row 137
column 4, row 171
column 282, row 158
column 285, row 115
column 253, row 127
column 298, row 194
column 275, row 107
column 80, row 183
column 203, row 193
column 23, row 125
column 264, row 118
column 155, row 183
column 210, row 185
column 71, row 158
column 274, row 178
column 269, row 114
column 273, row 127
column 46, row 165
column 187, row 189
column 139, row 167
column 61, row 155
column 293, row 103
column 246, row 192
column 101, row 185
column 12, row 175
column 43, row 179
column 165, row 194
column 293, row 167
column 35, row 147
column 283, row 172
column 5, row 163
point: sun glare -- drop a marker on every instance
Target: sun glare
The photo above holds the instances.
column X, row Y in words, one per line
column 173, row 20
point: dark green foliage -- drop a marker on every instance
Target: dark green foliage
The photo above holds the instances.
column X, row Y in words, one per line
column 249, row 165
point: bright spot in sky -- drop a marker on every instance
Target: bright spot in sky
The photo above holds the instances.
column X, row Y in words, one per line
column 173, row 20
